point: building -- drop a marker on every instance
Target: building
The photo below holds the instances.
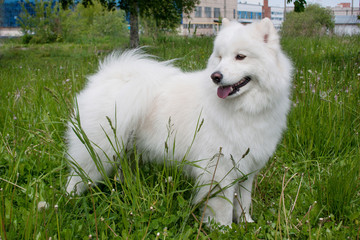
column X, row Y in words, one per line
column 345, row 9
column 346, row 19
column 248, row 13
column 277, row 16
column 266, row 10
column 206, row 17
column 10, row 11
column 346, row 25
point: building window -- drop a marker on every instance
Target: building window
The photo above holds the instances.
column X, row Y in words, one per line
column 242, row 14
column 234, row 14
column 249, row 15
column 216, row 12
column 208, row 12
column 198, row 11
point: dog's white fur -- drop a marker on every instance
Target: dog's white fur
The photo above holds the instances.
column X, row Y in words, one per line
column 144, row 94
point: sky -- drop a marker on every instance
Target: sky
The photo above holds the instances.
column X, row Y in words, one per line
column 324, row 3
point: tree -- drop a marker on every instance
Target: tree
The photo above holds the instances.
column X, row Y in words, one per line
column 109, row 4
column 314, row 21
column 299, row 5
column 167, row 13
column 65, row 4
column 1, row 11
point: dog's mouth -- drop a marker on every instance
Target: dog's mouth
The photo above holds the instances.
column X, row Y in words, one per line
column 225, row 91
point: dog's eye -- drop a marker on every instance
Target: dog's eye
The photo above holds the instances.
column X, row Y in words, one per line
column 240, row 57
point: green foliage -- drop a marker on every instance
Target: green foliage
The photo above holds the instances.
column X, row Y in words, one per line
column 65, row 4
column 299, row 5
column 93, row 22
column 313, row 21
column 78, row 24
column 320, row 151
column 165, row 13
column 43, row 27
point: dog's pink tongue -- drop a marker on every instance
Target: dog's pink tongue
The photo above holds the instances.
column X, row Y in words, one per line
column 223, row 92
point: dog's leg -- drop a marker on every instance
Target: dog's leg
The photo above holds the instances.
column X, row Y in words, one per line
column 216, row 191
column 75, row 184
column 85, row 164
column 242, row 201
column 220, row 207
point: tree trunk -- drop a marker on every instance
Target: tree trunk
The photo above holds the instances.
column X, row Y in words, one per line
column 134, row 26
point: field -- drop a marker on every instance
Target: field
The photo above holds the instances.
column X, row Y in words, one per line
column 310, row 188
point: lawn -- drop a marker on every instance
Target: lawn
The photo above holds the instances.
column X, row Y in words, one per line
column 310, row 188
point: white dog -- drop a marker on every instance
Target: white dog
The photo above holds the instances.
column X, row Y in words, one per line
column 242, row 96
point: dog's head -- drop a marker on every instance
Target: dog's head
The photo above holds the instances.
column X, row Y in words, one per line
column 247, row 62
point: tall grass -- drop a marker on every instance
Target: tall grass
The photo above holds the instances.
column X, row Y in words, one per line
column 325, row 121
column 309, row 189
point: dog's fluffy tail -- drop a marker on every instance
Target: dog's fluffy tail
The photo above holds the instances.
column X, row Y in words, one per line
column 131, row 79
column 132, row 65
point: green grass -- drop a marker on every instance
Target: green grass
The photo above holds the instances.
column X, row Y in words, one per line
column 309, row 189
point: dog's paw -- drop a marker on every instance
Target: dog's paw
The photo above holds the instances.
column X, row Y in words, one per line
column 249, row 220
column 246, row 218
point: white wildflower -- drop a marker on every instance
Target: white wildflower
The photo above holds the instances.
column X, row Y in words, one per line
column 42, row 205
column 169, row 179
column 323, row 94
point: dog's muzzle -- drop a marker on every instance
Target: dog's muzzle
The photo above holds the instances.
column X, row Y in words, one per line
column 228, row 90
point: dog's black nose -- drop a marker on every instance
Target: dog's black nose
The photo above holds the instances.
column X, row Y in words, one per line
column 216, row 77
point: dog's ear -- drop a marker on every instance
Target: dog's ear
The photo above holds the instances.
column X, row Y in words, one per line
column 268, row 32
column 225, row 22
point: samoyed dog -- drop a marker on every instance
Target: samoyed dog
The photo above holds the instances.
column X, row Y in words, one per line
column 242, row 97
